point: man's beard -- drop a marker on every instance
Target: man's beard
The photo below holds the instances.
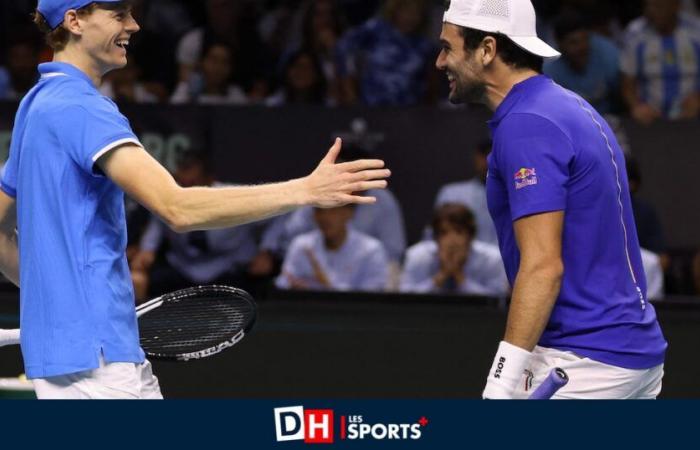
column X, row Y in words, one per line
column 468, row 92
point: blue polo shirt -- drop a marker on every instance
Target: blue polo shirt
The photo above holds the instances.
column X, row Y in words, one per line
column 553, row 152
column 76, row 295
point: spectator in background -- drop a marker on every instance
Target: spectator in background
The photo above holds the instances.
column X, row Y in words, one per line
column 454, row 262
column 20, row 74
column 661, row 63
column 382, row 221
column 388, row 61
column 212, row 83
column 303, row 82
column 322, row 25
column 123, row 85
column 472, row 194
column 234, row 23
column 335, row 257
column 201, row 257
column 589, row 65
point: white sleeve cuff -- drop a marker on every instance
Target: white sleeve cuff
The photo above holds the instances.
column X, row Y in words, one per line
column 114, row 145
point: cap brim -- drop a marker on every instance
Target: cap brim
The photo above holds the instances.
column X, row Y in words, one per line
column 535, row 46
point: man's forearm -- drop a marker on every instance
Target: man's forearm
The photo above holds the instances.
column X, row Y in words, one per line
column 534, row 295
column 211, row 208
column 9, row 257
column 187, row 209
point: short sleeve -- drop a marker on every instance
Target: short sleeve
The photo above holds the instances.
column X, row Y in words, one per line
column 533, row 158
column 10, row 171
column 89, row 131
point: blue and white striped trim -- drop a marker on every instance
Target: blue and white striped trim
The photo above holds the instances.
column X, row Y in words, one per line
column 114, row 145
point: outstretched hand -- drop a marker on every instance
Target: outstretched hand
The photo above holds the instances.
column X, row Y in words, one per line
column 332, row 185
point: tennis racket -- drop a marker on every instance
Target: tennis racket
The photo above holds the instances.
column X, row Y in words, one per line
column 556, row 380
column 192, row 323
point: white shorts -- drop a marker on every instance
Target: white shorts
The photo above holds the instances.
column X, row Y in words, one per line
column 589, row 379
column 126, row 381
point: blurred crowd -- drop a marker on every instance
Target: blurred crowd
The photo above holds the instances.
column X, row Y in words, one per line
column 638, row 58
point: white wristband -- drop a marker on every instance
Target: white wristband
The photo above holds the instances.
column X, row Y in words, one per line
column 506, row 372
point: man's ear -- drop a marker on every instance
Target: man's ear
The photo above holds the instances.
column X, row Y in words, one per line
column 71, row 22
column 488, row 50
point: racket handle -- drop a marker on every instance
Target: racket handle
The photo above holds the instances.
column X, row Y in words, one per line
column 556, row 380
column 9, row 337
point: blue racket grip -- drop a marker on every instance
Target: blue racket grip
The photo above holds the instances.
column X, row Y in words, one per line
column 556, row 380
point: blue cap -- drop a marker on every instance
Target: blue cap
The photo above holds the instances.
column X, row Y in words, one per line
column 54, row 10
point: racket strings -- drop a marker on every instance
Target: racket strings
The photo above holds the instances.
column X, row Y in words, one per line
column 194, row 320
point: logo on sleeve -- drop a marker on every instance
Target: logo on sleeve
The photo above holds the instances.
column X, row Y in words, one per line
column 524, row 178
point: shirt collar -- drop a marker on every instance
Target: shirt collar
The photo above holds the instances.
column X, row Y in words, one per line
column 51, row 69
column 511, row 99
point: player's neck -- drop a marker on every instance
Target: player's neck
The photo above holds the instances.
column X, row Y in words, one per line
column 82, row 61
column 499, row 85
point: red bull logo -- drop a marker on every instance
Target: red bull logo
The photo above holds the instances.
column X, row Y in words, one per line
column 525, row 177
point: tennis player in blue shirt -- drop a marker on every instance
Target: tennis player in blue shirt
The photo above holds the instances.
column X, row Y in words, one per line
column 557, row 192
column 72, row 157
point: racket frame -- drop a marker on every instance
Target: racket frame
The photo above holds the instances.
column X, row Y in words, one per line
column 211, row 351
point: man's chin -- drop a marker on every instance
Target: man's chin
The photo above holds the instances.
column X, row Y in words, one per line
column 118, row 63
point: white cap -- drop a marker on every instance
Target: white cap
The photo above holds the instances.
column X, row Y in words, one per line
column 513, row 18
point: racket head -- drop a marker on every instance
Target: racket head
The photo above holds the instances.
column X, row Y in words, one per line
column 196, row 322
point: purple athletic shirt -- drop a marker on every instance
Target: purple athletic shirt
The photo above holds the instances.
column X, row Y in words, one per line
column 553, row 152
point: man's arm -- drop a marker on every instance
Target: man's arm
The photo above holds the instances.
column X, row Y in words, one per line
column 536, row 289
column 539, row 278
column 9, row 254
column 189, row 209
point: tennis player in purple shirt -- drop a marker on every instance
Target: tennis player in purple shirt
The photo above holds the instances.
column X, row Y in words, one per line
column 557, row 192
